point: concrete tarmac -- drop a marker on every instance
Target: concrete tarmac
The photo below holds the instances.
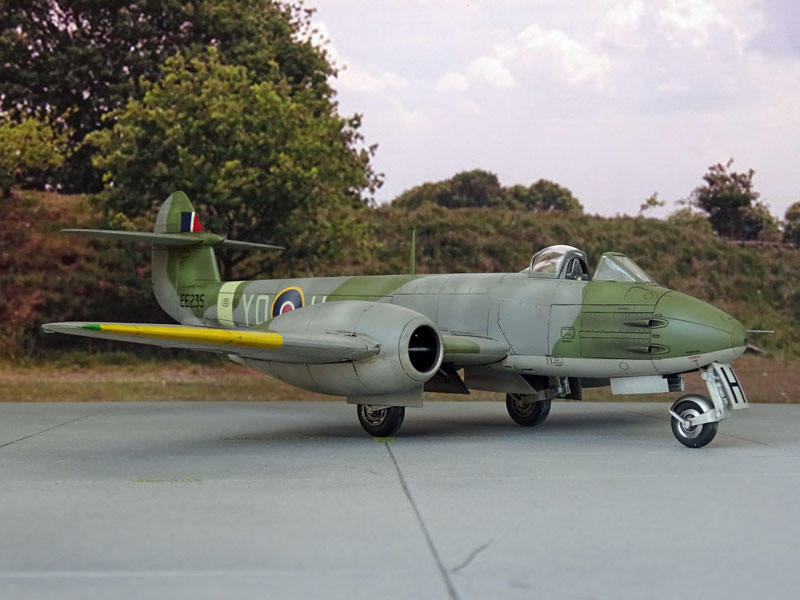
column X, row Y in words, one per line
column 293, row 500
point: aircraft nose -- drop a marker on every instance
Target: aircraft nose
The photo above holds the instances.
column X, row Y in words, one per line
column 695, row 327
column 739, row 338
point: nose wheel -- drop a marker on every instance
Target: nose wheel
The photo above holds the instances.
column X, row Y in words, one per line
column 687, row 433
column 695, row 418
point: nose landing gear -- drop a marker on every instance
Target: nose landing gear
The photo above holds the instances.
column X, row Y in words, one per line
column 695, row 418
column 684, row 412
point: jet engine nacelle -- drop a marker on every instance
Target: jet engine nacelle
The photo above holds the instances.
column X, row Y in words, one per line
column 409, row 352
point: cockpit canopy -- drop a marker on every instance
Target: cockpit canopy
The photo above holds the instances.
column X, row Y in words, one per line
column 567, row 262
column 614, row 266
column 559, row 262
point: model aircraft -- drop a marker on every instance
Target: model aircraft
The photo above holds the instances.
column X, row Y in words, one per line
column 546, row 332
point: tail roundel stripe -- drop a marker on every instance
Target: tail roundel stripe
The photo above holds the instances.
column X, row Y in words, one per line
column 190, row 222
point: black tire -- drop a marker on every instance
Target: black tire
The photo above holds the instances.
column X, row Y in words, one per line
column 527, row 412
column 381, row 422
column 693, row 437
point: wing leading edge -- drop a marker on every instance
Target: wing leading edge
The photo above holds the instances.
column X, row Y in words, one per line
column 301, row 347
column 321, row 347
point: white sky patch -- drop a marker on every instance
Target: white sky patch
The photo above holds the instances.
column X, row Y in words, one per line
column 409, row 117
column 351, row 76
column 621, row 26
column 615, row 99
column 358, row 79
column 505, row 51
column 674, row 86
column 696, row 22
column 455, row 82
column 471, row 108
column 693, row 18
column 492, row 71
column 576, row 61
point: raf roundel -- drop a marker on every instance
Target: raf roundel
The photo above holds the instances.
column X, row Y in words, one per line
column 289, row 299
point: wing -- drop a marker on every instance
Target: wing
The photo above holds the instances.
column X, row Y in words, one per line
column 322, row 347
column 302, row 347
column 471, row 350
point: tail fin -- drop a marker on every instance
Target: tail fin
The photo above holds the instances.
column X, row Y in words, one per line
column 175, row 268
column 183, row 255
column 177, row 215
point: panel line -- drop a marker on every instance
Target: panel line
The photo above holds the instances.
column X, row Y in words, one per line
column 97, row 412
column 445, row 575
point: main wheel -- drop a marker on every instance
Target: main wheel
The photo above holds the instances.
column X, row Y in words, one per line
column 381, row 422
column 527, row 412
column 693, row 437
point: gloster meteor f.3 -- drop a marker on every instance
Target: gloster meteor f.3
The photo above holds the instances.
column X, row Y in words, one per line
column 546, row 332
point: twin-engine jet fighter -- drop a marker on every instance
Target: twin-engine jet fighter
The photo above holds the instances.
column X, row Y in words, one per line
column 546, row 332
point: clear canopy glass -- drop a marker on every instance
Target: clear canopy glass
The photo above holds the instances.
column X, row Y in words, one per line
column 618, row 267
column 559, row 262
column 547, row 263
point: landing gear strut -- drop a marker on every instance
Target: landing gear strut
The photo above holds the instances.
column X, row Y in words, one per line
column 526, row 411
column 380, row 421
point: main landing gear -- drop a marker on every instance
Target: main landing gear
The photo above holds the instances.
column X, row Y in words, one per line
column 525, row 410
column 380, row 421
column 532, row 409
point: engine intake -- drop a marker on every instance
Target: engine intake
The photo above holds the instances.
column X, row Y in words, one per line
column 411, row 349
column 423, row 348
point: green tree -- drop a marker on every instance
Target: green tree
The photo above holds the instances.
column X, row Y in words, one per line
column 651, row 203
column 29, row 145
column 467, row 189
column 544, row 195
column 791, row 230
column 86, row 58
column 731, row 203
column 470, row 189
column 259, row 162
column 427, row 193
column 479, row 188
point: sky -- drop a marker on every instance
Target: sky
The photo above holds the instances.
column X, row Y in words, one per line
column 613, row 99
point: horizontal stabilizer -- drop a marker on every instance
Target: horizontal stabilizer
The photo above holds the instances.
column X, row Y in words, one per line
column 232, row 245
column 156, row 239
column 173, row 240
column 317, row 347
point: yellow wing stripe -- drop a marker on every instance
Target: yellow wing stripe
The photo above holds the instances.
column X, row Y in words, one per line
column 202, row 335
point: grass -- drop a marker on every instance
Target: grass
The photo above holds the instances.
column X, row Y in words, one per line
column 763, row 381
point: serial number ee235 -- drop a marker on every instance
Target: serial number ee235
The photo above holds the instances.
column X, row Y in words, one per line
column 192, row 300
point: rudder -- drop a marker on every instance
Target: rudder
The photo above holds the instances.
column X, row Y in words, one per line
column 175, row 269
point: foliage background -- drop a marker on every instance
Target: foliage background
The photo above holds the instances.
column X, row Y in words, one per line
column 48, row 276
column 231, row 102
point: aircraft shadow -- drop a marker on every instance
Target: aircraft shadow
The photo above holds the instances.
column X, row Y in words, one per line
column 444, row 426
